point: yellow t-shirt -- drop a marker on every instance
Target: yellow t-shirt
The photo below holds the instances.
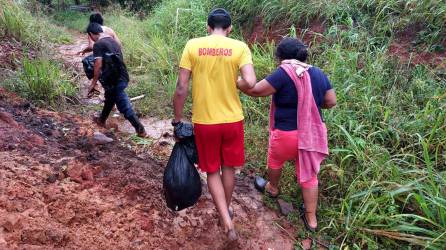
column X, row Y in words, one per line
column 215, row 62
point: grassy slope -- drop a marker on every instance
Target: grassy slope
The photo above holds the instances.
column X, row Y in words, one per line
column 40, row 78
column 384, row 183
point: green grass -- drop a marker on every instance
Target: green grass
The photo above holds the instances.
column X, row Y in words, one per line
column 383, row 186
column 44, row 82
column 72, row 20
column 382, row 19
column 35, row 31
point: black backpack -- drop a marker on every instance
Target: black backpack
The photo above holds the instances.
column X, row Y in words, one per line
column 112, row 66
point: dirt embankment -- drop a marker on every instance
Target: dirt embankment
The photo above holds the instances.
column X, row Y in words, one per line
column 59, row 189
column 403, row 46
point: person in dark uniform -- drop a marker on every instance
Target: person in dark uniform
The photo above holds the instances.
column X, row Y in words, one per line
column 110, row 68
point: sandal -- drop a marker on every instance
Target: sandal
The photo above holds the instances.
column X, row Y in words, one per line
column 303, row 216
column 260, row 184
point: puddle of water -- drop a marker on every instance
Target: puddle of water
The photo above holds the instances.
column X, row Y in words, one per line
column 156, row 129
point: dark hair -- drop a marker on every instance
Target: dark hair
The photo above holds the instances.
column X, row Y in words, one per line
column 94, row 28
column 96, row 18
column 291, row 48
column 219, row 18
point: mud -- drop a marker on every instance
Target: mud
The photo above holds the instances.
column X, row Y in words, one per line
column 59, row 189
column 69, row 54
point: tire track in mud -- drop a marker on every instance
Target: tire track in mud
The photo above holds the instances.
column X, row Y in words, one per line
column 59, row 189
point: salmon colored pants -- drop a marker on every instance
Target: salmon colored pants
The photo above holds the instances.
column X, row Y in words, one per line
column 283, row 147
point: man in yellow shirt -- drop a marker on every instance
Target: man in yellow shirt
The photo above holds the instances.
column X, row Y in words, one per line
column 214, row 62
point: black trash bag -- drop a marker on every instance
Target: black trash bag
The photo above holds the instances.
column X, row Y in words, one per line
column 88, row 63
column 181, row 181
column 185, row 132
column 112, row 66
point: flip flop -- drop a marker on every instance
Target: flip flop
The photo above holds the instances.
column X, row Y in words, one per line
column 304, row 219
column 231, row 212
column 260, row 184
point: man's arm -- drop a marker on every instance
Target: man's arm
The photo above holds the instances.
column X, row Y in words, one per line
column 181, row 93
column 89, row 48
column 97, row 73
column 329, row 99
column 248, row 79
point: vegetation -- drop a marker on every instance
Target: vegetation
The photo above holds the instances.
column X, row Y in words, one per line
column 43, row 81
column 35, row 31
column 381, row 19
column 384, row 185
column 39, row 79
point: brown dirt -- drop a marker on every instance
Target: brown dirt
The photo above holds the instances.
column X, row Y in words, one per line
column 260, row 33
column 402, row 47
column 60, row 190
column 11, row 52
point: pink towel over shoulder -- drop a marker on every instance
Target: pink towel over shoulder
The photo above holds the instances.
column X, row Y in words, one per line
column 312, row 132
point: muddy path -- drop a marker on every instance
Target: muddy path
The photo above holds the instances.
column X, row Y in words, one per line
column 60, row 189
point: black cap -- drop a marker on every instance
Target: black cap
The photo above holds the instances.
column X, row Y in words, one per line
column 219, row 18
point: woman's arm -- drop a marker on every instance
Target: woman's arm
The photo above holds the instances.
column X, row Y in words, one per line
column 329, row 99
column 262, row 88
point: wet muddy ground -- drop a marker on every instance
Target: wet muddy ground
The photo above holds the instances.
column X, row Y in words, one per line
column 59, row 189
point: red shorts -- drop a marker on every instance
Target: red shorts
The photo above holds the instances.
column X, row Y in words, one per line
column 220, row 145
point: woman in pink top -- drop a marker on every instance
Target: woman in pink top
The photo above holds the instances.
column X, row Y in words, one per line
column 285, row 140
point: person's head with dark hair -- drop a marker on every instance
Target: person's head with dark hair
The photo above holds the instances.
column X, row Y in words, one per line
column 94, row 30
column 96, row 18
column 291, row 48
column 219, row 19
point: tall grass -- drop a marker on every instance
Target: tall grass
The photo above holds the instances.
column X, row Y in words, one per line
column 44, row 82
column 381, row 18
column 35, row 31
column 383, row 186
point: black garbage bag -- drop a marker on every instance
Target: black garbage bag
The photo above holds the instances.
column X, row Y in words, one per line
column 181, row 181
column 88, row 63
